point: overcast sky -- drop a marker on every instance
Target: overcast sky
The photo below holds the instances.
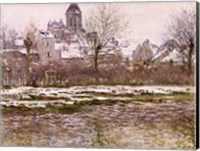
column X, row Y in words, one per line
column 147, row 20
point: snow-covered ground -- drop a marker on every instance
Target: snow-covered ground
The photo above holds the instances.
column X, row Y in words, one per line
column 121, row 124
column 119, row 89
column 57, row 96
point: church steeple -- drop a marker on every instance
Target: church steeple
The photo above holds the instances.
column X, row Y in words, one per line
column 74, row 17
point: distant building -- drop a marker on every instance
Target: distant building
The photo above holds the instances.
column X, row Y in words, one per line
column 61, row 31
column 70, row 34
column 92, row 36
column 45, row 46
column 13, row 67
column 144, row 52
column 67, row 42
column 19, row 46
column 74, row 18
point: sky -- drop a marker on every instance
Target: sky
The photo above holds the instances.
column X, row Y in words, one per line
column 146, row 20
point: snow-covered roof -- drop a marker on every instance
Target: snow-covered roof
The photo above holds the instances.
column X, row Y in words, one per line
column 157, row 55
column 46, row 34
column 82, row 41
column 110, row 45
column 66, row 46
column 71, row 53
column 9, row 50
column 61, row 46
column 67, row 51
column 73, row 37
column 127, row 49
column 23, row 51
column 127, row 54
column 106, row 51
column 74, row 45
column 19, row 42
column 174, row 56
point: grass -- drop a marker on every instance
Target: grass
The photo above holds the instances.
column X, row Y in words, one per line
column 100, row 140
column 184, row 97
column 178, row 98
column 16, row 139
column 106, row 94
column 83, row 105
column 187, row 127
column 184, row 125
column 43, row 97
column 64, row 109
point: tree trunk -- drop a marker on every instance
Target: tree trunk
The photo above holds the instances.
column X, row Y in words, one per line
column 96, row 67
column 190, row 58
column 28, row 79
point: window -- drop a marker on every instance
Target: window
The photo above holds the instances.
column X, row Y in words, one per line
column 47, row 44
column 71, row 20
column 48, row 54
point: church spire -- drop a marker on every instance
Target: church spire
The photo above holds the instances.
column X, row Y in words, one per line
column 74, row 17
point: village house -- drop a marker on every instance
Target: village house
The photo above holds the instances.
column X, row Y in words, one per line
column 61, row 41
column 14, row 67
column 70, row 41
column 14, row 64
column 73, row 26
column 45, row 46
column 65, row 42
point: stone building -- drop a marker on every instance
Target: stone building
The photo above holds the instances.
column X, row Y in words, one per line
column 61, row 41
column 45, row 46
column 74, row 18
column 59, row 30
column 64, row 41
column 14, row 67
column 62, row 32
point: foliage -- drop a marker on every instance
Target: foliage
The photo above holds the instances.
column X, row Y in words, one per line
column 8, row 37
column 104, row 22
column 29, row 36
column 183, row 30
column 78, row 73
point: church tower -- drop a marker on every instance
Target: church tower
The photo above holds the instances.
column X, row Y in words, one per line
column 74, row 17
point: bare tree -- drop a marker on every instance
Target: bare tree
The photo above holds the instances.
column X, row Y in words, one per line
column 183, row 31
column 104, row 22
column 29, row 36
column 8, row 37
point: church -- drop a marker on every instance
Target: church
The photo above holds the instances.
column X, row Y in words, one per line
column 63, row 41
column 73, row 25
column 68, row 41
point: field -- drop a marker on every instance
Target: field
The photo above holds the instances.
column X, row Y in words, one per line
column 161, row 117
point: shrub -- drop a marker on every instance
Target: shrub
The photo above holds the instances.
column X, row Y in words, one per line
column 78, row 73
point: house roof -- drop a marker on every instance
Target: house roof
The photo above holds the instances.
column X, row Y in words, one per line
column 73, row 8
column 19, row 42
column 46, row 34
column 61, row 46
column 32, row 51
column 69, row 51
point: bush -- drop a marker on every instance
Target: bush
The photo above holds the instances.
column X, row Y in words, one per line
column 78, row 73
